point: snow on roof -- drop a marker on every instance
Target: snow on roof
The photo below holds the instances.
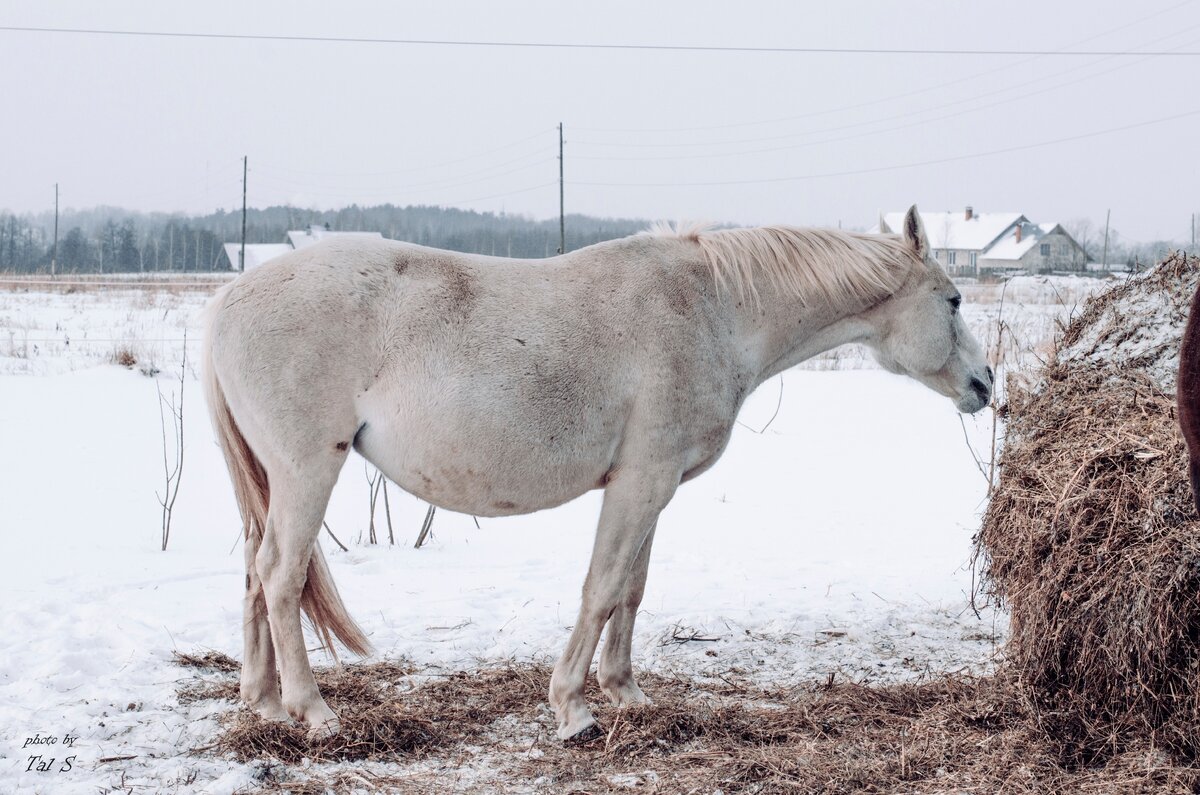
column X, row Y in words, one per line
column 300, row 238
column 1009, row 249
column 953, row 230
column 256, row 253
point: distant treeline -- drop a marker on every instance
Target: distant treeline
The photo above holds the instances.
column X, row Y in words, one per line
column 108, row 239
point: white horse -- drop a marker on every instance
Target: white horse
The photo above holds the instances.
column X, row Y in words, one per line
column 495, row 387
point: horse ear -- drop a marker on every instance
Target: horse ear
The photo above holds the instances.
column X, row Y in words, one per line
column 914, row 233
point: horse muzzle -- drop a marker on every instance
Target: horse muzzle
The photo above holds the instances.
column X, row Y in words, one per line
column 978, row 393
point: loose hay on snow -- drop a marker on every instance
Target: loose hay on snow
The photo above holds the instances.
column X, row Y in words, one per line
column 489, row 731
column 214, row 660
column 1091, row 538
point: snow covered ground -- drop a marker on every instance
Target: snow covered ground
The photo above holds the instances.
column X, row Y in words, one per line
column 837, row 539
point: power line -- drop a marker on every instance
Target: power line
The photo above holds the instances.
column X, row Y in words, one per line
column 533, row 160
column 882, row 100
column 878, row 169
column 429, row 167
column 884, row 119
column 868, row 133
column 583, row 45
column 496, row 195
column 400, row 192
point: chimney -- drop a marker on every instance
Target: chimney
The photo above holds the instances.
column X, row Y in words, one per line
column 1018, row 233
column 970, row 212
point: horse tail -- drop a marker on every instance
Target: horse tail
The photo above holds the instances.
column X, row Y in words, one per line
column 1187, row 393
column 319, row 599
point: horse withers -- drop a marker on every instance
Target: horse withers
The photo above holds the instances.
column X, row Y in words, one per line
column 495, row 387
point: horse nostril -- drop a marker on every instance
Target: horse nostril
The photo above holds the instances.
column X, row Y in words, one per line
column 981, row 389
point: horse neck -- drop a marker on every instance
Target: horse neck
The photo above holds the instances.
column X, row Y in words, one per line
column 778, row 332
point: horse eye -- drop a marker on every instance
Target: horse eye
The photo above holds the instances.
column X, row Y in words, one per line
column 956, row 302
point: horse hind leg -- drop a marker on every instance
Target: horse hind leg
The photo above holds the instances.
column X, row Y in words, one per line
column 293, row 521
column 259, row 679
column 616, row 668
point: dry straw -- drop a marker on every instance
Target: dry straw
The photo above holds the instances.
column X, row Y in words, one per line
column 489, row 731
column 1090, row 537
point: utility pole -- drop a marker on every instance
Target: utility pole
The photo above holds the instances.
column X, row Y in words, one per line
column 1193, row 233
column 242, row 256
column 562, row 224
column 1107, row 216
column 54, row 256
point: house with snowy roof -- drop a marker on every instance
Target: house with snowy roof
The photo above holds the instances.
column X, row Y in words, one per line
column 970, row 243
column 258, row 253
column 304, row 238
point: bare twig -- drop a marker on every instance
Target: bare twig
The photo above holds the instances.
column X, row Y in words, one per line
column 997, row 359
column 426, row 527
column 336, row 540
column 974, row 455
column 778, row 404
column 387, row 511
column 373, row 484
column 172, row 471
column 681, row 635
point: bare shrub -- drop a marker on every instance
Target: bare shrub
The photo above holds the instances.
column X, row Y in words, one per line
column 125, row 356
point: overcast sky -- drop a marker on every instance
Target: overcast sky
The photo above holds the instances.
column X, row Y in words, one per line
column 162, row 123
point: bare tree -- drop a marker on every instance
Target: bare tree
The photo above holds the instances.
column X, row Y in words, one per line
column 1084, row 232
column 172, row 451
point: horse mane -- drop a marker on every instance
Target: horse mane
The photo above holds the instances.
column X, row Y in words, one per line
column 816, row 266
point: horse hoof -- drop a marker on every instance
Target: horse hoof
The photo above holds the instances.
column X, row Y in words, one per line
column 587, row 734
column 324, row 730
column 626, row 695
column 272, row 712
column 267, row 706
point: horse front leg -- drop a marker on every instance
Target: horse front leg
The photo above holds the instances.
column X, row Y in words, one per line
column 632, row 502
column 616, row 667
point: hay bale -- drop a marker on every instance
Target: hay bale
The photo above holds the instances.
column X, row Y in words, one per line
column 1091, row 538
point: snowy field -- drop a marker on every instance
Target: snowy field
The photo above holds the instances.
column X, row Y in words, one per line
column 835, row 540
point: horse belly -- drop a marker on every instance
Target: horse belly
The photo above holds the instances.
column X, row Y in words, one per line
column 485, row 469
